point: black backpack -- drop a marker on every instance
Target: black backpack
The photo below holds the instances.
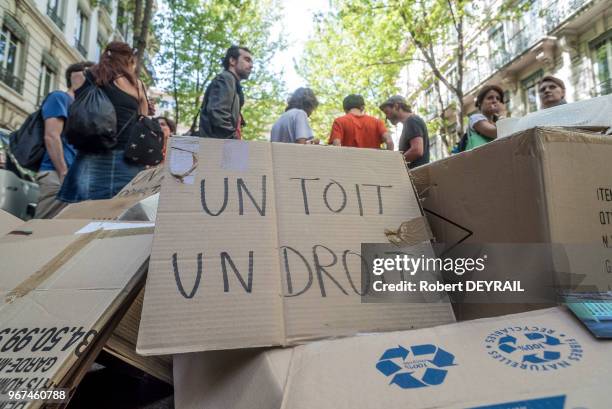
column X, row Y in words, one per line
column 92, row 121
column 27, row 144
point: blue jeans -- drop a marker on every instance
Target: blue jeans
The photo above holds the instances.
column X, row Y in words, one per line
column 97, row 176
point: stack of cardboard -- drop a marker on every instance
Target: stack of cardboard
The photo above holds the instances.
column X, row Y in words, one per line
column 254, row 280
column 64, row 286
column 137, row 201
column 540, row 186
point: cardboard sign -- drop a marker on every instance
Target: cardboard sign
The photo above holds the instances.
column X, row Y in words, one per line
column 58, row 291
column 545, row 185
column 257, row 244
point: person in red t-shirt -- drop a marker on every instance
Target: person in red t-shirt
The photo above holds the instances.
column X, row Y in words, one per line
column 356, row 129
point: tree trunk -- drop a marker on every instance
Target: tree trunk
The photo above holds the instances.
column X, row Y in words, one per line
column 141, row 45
column 177, row 111
column 460, row 72
column 137, row 22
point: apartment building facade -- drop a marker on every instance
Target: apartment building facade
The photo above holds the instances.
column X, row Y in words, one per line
column 570, row 39
column 40, row 38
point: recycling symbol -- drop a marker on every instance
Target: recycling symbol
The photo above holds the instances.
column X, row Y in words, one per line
column 417, row 367
column 509, row 344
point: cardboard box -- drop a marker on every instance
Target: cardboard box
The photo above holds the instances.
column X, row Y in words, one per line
column 257, row 244
column 545, row 185
column 539, row 359
column 238, row 379
column 63, row 288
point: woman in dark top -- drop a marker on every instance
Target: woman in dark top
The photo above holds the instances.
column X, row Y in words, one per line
column 103, row 175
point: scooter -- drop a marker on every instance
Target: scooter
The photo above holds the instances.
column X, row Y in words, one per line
column 18, row 188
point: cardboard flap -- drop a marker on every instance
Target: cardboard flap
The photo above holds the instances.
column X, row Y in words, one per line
column 213, row 277
column 134, row 202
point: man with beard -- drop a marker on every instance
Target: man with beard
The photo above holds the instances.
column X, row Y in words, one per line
column 223, row 100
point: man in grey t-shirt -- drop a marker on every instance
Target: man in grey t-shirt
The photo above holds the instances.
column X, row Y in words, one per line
column 293, row 126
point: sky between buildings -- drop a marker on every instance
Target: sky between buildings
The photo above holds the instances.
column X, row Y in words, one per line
column 298, row 25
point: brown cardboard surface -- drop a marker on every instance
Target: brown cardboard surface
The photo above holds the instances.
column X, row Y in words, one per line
column 239, row 379
column 279, row 210
column 345, row 373
column 539, row 186
column 58, row 293
column 8, row 222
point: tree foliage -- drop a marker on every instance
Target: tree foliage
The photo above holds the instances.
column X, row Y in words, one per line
column 194, row 37
column 367, row 42
column 350, row 53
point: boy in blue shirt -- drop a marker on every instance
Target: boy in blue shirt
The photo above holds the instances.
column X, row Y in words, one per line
column 59, row 155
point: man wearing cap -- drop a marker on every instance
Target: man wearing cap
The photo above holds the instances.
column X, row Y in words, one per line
column 357, row 129
column 414, row 142
column 551, row 91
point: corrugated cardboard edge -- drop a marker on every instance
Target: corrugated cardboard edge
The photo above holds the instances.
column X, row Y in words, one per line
column 105, row 326
column 122, row 344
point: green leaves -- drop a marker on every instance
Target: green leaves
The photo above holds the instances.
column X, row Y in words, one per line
column 354, row 50
column 194, row 36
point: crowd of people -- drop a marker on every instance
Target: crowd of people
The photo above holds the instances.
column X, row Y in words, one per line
column 67, row 175
column 221, row 117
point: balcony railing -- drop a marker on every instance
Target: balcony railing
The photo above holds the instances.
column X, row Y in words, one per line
column 52, row 13
column 11, row 80
column 553, row 14
column 81, row 48
column 557, row 11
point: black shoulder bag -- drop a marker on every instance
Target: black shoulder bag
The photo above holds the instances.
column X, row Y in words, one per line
column 145, row 141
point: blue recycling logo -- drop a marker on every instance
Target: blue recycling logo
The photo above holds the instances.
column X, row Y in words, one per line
column 418, row 366
column 508, row 344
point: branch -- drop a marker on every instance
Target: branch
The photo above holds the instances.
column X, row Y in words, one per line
column 450, row 8
column 394, row 62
